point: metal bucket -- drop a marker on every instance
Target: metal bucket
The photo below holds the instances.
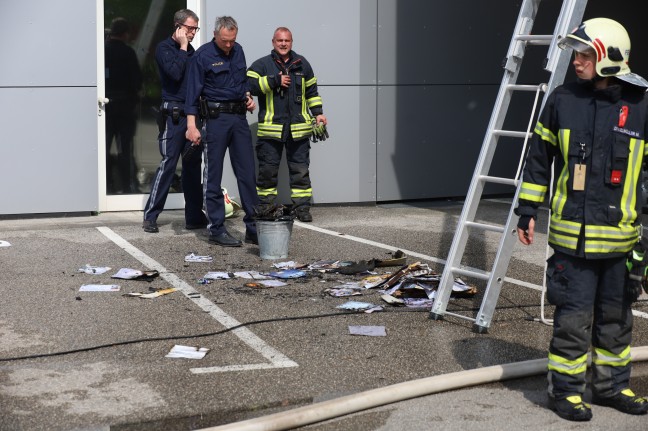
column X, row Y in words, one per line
column 274, row 238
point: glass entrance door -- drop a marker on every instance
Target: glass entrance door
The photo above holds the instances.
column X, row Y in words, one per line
column 132, row 86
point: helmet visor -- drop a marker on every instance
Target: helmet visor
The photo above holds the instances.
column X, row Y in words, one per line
column 575, row 44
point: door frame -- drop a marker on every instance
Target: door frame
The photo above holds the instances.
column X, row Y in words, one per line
column 135, row 202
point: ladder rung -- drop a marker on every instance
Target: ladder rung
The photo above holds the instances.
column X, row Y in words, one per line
column 512, row 133
column 482, row 275
column 460, row 316
column 521, row 87
column 484, row 226
column 498, row 180
column 535, row 39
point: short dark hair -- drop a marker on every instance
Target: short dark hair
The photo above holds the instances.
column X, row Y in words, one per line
column 119, row 26
column 181, row 16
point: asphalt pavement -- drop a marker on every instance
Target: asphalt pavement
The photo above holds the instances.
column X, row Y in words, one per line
column 95, row 360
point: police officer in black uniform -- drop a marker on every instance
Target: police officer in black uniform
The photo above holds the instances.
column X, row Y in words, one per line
column 172, row 58
column 217, row 74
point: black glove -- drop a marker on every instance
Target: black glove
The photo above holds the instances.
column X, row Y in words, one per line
column 523, row 222
column 636, row 263
column 319, row 133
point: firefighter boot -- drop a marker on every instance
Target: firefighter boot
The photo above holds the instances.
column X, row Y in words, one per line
column 304, row 215
column 625, row 401
column 571, row 408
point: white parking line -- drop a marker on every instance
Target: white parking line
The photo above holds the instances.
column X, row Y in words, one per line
column 423, row 256
column 276, row 359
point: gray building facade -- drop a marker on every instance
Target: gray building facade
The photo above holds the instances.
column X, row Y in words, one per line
column 408, row 88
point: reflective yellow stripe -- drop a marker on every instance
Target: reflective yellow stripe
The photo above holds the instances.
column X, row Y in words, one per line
column 603, row 357
column 263, row 81
column 560, row 196
column 265, row 86
column 301, row 130
column 567, row 227
column 566, row 366
column 563, row 240
column 266, row 192
column 311, row 81
column 545, row 134
column 301, row 193
column 532, row 192
column 304, row 110
column 609, row 246
column 314, row 101
column 270, row 130
column 629, row 197
column 269, row 108
column 564, row 233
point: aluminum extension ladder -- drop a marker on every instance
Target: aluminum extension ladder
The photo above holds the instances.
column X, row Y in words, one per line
column 557, row 62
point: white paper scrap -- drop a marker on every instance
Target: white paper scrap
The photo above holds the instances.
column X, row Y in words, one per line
column 189, row 352
column 195, row 258
column 253, row 275
column 371, row 331
column 152, row 294
column 216, row 275
column 89, row 269
column 272, row 283
column 291, row 264
column 99, row 288
column 128, row 273
column 356, row 305
column 4, row 243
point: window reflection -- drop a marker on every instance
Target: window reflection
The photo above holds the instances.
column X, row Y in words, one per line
column 123, row 84
column 133, row 29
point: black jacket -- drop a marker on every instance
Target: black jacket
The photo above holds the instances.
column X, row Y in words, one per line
column 281, row 108
column 600, row 133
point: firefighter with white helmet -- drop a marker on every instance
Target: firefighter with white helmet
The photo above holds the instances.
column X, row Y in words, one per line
column 593, row 132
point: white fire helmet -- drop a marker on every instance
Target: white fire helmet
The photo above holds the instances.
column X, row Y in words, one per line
column 231, row 206
column 611, row 43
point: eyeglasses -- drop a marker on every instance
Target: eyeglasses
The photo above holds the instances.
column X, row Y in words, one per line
column 190, row 28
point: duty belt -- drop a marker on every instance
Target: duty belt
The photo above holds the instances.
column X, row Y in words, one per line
column 173, row 110
column 216, row 108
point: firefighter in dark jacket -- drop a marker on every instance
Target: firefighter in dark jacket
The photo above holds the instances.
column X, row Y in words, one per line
column 286, row 87
column 593, row 131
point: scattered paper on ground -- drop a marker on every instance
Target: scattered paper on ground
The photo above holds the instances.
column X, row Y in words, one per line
column 89, row 269
column 195, row 258
column 288, row 273
column 288, row 265
column 371, row 331
column 253, row 275
column 127, row 273
column 152, row 294
column 189, row 352
column 360, row 306
column 271, row 283
column 99, row 288
column 217, row 275
column 349, row 289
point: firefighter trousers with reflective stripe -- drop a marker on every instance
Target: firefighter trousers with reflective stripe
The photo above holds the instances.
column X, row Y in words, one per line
column 592, row 309
column 269, row 153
